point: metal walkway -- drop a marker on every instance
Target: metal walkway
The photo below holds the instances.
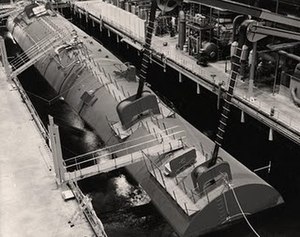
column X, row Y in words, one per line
column 105, row 162
column 32, row 55
column 39, row 49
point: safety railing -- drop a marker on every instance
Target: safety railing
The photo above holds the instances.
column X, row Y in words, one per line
column 176, row 192
column 107, row 80
column 120, row 148
column 286, row 114
column 130, row 24
column 31, row 52
column 190, row 64
column 109, row 162
column 121, row 154
column 10, row 9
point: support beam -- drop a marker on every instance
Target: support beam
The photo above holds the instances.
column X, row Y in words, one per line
column 180, row 77
column 242, row 116
column 252, row 70
column 86, row 17
column 198, row 89
column 276, row 73
column 271, row 134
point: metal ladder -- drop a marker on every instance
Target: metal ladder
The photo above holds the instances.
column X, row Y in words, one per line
column 235, row 72
column 147, row 50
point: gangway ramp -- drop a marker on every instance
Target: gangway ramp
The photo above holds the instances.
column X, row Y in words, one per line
column 40, row 48
column 155, row 146
column 32, row 55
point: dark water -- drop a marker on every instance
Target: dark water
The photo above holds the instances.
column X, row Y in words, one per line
column 122, row 204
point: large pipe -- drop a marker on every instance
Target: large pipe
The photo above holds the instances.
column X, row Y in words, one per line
column 236, row 23
column 181, row 30
column 289, row 55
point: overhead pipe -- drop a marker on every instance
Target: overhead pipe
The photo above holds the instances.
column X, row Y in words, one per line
column 289, row 55
column 236, row 22
column 182, row 30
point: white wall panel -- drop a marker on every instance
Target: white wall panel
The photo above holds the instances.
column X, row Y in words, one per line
column 119, row 18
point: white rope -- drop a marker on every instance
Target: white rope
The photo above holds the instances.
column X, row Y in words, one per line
column 241, row 210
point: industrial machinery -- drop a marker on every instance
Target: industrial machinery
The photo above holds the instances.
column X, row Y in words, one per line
column 250, row 31
column 198, row 193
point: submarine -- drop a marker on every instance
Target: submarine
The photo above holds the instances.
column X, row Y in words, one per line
column 193, row 195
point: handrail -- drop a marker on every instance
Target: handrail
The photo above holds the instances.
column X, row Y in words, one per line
column 190, row 193
column 117, row 151
column 116, row 145
column 33, row 48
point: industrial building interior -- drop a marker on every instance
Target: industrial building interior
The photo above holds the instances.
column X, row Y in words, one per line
column 207, row 34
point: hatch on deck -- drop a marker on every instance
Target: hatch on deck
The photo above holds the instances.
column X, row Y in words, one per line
column 131, row 109
column 181, row 160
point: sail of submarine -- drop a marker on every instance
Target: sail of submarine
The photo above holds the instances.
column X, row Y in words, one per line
column 193, row 200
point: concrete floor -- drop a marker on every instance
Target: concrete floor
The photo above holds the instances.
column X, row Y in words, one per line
column 30, row 201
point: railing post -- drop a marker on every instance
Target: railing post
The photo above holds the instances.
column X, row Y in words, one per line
column 176, row 180
column 153, row 169
column 174, row 196
column 186, row 210
column 115, row 161
column 184, row 187
column 193, row 196
column 162, row 178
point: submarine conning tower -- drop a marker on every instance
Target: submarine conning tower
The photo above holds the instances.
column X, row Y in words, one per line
column 94, row 83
